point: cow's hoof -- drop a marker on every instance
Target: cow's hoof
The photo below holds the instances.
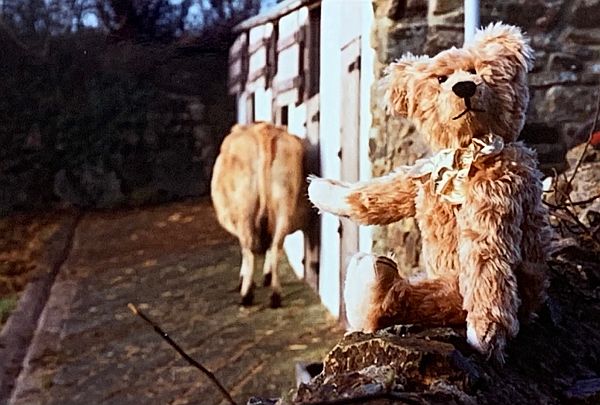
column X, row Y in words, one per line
column 275, row 300
column 248, row 299
column 239, row 286
column 267, row 280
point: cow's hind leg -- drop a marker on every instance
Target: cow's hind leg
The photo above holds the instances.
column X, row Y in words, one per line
column 267, row 272
column 272, row 259
column 246, row 275
column 270, row 272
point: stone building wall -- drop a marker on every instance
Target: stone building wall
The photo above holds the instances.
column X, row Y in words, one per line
column 566, row 38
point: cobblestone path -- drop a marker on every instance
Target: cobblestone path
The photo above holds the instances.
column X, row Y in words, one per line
column 181, row 268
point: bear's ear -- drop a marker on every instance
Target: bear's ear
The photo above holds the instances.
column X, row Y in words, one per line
column 398, row 82
column 503, row 45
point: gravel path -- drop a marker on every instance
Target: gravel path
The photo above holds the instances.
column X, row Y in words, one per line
column 177, row 265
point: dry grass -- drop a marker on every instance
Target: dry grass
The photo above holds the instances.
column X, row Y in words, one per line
column 23, row 238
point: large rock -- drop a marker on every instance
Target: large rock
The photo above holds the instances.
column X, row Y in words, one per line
column 524, row 13
column 582, row 186
column 586, row 36
column 394, row 360
column 398, row 9
column 441, row 37
column 439, row 7
column 554, row 360
column 402, row 38
column 562, row 61
column 89, row 185
column 551, row 103
column 586, row 14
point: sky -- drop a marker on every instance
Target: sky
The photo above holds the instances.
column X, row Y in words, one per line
column 90, row 20
column 266, row 4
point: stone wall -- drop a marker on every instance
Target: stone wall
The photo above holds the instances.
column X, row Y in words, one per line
column 563, row 83
column 100, row 125
column 170, row 159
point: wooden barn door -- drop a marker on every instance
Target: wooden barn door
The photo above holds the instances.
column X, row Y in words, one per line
column 349, row 151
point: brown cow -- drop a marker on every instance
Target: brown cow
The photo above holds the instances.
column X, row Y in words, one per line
column 258, row 190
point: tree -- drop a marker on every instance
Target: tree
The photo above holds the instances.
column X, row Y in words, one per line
column 138, row 20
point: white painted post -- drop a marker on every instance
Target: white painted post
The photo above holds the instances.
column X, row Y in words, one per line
column 471, row 19
column 367, row 78
column 329, row 145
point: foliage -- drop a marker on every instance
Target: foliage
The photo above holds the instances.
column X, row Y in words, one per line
column 93, row 115
column 68, row 111
column 140, row 20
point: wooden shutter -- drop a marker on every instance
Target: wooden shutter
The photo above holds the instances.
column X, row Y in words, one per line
column 288, row 84
column 238, row 64
column 258, row 55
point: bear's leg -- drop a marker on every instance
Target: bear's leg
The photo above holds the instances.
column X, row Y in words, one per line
column 377, row 296
column 367, row 279
column 246, row 273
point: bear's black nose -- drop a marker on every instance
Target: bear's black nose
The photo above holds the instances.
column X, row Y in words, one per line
column 464, row 89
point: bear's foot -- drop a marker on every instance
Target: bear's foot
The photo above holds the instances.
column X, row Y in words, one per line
column 368, row 279
column 489, row 338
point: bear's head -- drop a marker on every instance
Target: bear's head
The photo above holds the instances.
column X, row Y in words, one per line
column 461, row 94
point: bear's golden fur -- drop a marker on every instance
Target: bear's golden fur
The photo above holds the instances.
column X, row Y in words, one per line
column 477, row 200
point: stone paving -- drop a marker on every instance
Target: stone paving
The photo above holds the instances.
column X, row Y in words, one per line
column 178, row 266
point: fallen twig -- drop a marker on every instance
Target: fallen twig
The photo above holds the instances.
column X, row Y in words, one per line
column 405, row 397
column 570, row 224
column 182, row 353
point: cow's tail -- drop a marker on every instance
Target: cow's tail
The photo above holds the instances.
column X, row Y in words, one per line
column 267, row 138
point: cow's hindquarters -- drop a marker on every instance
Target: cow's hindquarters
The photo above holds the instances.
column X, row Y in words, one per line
column 255, row 189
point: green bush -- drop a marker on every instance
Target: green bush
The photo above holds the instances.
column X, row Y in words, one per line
column 91, row 122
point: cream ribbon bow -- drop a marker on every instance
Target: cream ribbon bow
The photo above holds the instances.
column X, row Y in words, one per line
column 450, row 168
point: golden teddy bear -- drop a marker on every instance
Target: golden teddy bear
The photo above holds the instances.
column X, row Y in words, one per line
column 477, row 200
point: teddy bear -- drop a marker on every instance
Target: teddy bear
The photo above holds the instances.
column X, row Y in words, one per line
column 477, row 200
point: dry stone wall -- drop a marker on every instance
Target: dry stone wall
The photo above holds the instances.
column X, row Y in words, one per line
column 99, row 125
column 565, row 35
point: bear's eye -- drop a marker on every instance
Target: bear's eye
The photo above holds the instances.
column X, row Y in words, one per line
column 442, row 79
column 472, row 71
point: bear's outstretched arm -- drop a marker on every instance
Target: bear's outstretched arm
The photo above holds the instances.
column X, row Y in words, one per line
column 379, row 201
column 490, row 237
